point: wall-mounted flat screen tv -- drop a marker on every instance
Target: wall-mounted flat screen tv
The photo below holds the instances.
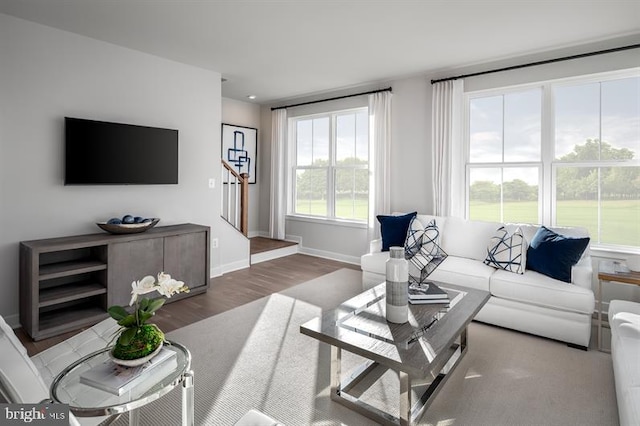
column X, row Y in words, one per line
column 103, row 153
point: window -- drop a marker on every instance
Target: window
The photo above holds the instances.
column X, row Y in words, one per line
column 559, row 153
column 331, row 165
column 504, row 157
column 597, row 174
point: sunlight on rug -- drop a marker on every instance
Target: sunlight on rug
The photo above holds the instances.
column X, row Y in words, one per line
column 254, row 356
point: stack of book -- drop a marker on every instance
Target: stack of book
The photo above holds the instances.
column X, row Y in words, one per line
column 116, row 379
column 421, row 294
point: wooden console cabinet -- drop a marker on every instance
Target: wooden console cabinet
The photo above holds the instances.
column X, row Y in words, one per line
column 68, row 283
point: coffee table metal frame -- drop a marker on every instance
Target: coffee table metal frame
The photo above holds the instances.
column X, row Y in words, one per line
column 419, row 352
column 182, row 374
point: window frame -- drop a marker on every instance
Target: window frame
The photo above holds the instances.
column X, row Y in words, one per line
column 332, row 168
column 468, row 96
column 547, row 202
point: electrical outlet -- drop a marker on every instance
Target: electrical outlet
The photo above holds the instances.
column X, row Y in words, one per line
column 214, row 243
column 212, row 183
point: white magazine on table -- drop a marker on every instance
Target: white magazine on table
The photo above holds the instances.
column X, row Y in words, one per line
column 116, row 379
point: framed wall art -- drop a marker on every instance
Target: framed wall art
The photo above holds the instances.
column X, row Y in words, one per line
column 240, row 149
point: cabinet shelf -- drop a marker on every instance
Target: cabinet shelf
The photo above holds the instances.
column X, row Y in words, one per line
column 65, row 269
column 67, row 283
column 58, row 321
column 66, row 293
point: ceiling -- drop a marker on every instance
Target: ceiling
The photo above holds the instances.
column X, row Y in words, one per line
column 283, row 49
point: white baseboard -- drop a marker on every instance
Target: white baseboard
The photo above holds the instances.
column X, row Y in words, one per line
column 274, row 254
column 235, row 266
column 215, row 272
column 354, row 260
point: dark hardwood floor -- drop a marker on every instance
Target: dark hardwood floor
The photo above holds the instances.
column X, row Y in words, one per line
column 261, row 244
column 226, row 292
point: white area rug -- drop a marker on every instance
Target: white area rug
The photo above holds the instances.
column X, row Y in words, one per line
column 255, row 357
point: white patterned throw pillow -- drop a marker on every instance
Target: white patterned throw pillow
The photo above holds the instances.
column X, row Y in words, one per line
column 421, row 249
column 507, row 251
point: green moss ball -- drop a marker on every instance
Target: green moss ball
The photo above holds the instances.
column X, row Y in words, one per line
column 146, row 340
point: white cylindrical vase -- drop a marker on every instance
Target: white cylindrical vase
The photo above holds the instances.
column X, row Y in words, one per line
column 397, row 289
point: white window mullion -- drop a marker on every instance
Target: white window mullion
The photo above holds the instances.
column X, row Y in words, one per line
column 599, row 205
column 547, row 187
column 331, row 172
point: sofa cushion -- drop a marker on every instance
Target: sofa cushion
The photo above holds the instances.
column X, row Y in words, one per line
column 466, row 238
column 507, row 251
column 537, row 289
column 375, row 262
column 463, row 272
column 553, row 254
column 394, row 229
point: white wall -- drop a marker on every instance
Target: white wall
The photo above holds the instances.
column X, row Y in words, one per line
column 324, row 239
column 411, row 132
column 236, row 249
column 247, row 114
column 48, row 74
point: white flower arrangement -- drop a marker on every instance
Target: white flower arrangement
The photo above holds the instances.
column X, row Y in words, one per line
column 131, row 341
column 165, row 285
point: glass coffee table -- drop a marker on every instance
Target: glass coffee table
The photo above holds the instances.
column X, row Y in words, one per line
column 422, row 352
column 88, row 401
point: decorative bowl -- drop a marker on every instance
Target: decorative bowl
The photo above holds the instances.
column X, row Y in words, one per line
column 134, row 362
column 633, row 263
column 127, row 228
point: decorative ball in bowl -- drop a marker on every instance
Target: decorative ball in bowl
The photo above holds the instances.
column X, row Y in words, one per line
column 633, row 263
column 128, row 224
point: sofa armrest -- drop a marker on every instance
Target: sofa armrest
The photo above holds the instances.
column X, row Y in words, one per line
column 582, row 273
column 628, row 330
column 621, row 306
column 375, row 246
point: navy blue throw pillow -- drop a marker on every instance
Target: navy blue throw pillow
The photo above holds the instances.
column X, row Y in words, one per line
column 394, row 229
column 553, row 254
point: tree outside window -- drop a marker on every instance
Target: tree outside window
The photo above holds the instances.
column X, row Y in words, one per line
column 332, row 166
column 587, row 174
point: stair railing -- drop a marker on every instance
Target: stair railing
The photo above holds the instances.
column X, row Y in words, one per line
column 235, row 198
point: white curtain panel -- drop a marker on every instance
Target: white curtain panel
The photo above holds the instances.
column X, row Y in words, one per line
column 278, row 201
column 448, row 166
column 379, row 154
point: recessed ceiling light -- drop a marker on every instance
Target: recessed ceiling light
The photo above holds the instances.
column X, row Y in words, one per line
column 251, row 96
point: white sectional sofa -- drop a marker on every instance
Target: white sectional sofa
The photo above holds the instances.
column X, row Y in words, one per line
column 624, row 319
column 531, row 302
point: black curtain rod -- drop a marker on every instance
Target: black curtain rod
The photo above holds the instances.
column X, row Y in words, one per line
column 388, row 89
column 532, row 64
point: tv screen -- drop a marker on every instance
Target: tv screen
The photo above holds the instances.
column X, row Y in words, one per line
column 102, row 153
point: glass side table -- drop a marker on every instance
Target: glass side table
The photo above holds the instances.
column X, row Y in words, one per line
column 612, row 271
column 88, row 401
